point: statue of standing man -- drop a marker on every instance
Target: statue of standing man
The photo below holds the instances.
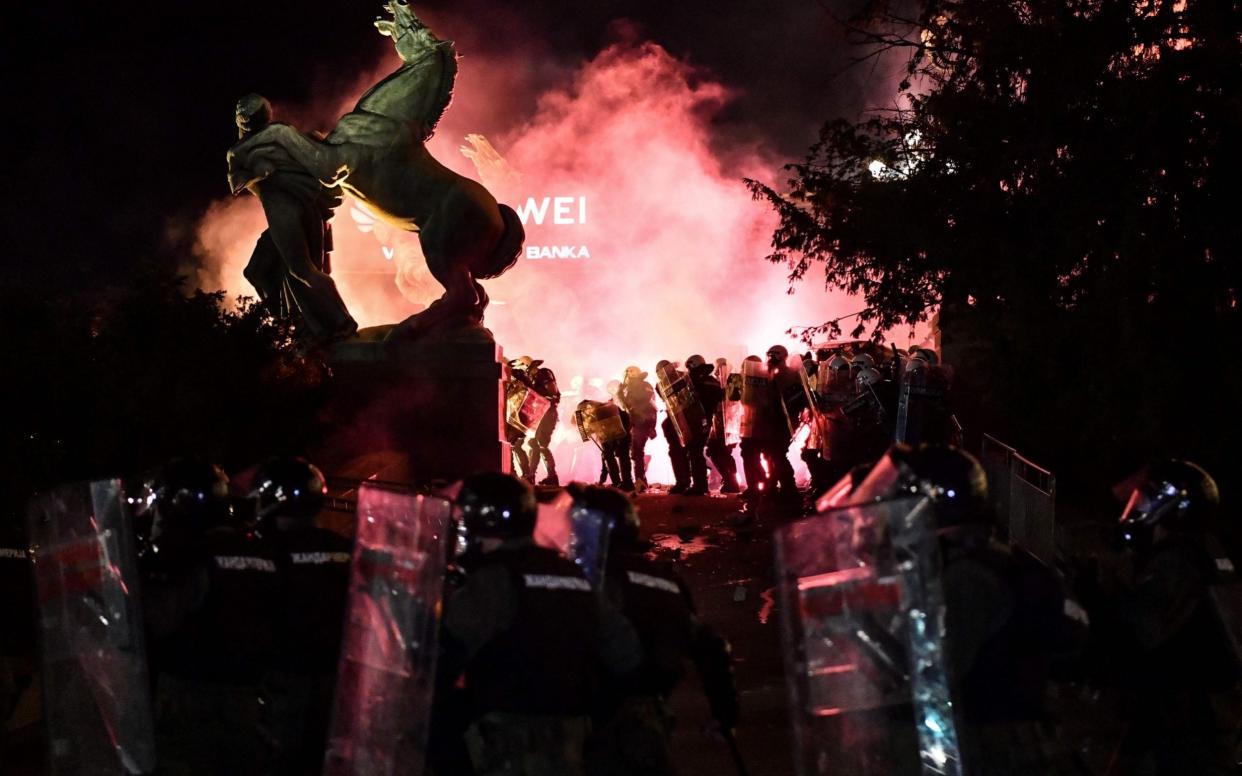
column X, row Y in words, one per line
column 290, row 264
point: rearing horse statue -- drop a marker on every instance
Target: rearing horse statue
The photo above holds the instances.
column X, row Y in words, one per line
column 377, row 154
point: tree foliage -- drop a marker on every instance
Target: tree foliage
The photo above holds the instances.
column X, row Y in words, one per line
column 1058, row 182
column 119, row 380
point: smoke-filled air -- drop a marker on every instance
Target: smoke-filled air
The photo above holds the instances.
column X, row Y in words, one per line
column 642, row 242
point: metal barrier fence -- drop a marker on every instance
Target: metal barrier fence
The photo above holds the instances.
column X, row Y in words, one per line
column 1024, row 497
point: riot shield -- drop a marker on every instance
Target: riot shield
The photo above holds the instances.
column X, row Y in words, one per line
column 684, row 408
column 862, row 627
column 607, row 426
column 588, row 542
column 386, row 677
column 754, row 395
column 576, row 532
column 97, row 704
column 917, row 399
column 524, row 408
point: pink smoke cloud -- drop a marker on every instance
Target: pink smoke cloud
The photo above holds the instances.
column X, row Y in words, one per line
column 675, row 242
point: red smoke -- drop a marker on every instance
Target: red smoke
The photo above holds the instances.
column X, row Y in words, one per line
column 676, row 243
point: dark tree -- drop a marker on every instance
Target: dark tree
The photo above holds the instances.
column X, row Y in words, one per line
column 114, row 381
column 1058, row 183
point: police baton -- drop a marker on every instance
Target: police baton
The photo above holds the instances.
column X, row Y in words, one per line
column 738, row 762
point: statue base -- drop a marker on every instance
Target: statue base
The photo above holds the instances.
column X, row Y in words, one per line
column 416, row 411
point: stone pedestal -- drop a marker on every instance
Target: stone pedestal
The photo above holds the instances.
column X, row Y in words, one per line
column 416, row 411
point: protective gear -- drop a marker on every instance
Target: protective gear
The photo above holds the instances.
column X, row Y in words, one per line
column 526, row 633
column 1178, row 495
column 684, row 409
column 637, row 398
column 652, row 595
column 862, row 361
column 382, row 707
column 952, row 479
column 696, row 364
column 867, row 377
column 864, row 636
column 624, row 524
column 524, row 407
column 608, row 426
column 838, row 365
column 288, row 491
column 543, row 381
column 190, row 497
column 525, row 363
column 634, row 373
column 314, row 567
column 96, row 700
column 496, row 506
column 777, row 354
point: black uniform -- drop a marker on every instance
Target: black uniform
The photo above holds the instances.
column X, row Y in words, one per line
column 209, row 613
column 633, row 739
column 615, row 458
column 1007, row 619
column 1164, row 639
column 710, row 395
column 772, row 437
column 637, row 397
column 18, row 648
column 527, row 636
column 314, row 569
column 543, row 381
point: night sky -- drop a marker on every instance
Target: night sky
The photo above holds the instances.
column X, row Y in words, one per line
column 124, row 111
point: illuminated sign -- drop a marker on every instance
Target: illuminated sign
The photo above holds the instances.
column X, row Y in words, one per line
column 554, row 213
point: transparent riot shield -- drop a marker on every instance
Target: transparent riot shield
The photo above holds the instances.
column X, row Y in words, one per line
column 862, row 626
column 588, row 542
column 524, row 408
column 682, row 403
column 754, row 395
column 608, row 426
column 386, row 678
column 96, row 695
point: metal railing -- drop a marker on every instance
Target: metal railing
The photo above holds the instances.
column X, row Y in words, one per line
column 1023, row 496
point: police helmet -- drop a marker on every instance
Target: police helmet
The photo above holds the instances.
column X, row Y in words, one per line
column 1177, row 494
column 615, row 506
column 497, row 506
column 867, row 376
column 289, row 489
column 185, row 498
column 696, row 364
column 951, row 478
column 863, row 361
column 917, row 362
column 838, row 364
column 778, row 353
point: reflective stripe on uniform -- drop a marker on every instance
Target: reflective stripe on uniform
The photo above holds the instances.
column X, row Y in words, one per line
column 245, row 563
column 319, row 558
column 655, row 583
column 556, row 582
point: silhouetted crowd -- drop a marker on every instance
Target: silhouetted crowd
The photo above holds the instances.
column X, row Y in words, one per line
column 487, row 628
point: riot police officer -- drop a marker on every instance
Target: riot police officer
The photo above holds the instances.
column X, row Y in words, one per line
column 527, row 636
column 710, row 395
column 676, row 450
column 1159, row 620
column 633, row 738
column 543, row 382
column 637, row 397
column 1008, row 617
column 312, row 564
column 208, row 591
column 774, row 435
